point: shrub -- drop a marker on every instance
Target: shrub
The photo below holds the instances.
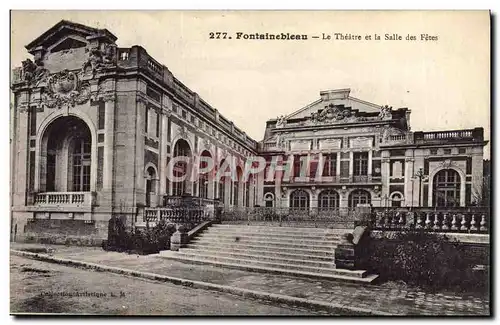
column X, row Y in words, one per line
column 421, row 258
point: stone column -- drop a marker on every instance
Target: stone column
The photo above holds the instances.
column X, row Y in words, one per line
column 21, row 156
column 409, row 192
column 370, row 155
column 162, row 156
column 337, row 168
column 140, row 183
column 385, row 173
column 109, row 127
column 351, row 164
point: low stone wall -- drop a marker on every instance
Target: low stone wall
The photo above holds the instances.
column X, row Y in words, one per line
column 65, row 231
column 476, row 246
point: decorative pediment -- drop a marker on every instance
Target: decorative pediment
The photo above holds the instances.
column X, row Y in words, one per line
column 332, row 113
column 68, row 46
column 68, row 43
column 63, row 29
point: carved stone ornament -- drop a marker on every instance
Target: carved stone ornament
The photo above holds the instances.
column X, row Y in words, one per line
column 65, row 89
column 281, row 122
column 183, row 132
column 385, row 113
column 33, row 72
column 100, row 57
column 109, row 96
column 207, row 143
column 332, row 113
column 447, row 163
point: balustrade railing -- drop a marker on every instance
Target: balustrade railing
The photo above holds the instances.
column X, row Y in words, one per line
column 309, row 216
column 453, row 220
column 64, row 198
column 178, row 215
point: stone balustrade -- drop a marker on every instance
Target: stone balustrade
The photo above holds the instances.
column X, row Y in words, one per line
column 64, row 199
column 437, row 221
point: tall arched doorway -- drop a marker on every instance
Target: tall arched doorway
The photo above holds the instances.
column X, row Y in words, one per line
column 359, row 197
column 65, row 163
column 299, row 200
column 151, row 180
column 180, row 168
column 446, row 188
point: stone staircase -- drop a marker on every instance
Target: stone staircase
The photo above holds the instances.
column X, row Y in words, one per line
column 286, row 250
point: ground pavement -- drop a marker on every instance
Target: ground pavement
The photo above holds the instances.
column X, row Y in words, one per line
column 391, row 297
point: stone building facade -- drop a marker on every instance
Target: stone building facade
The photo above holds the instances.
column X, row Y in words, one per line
column 347, row 151
column 95, row 128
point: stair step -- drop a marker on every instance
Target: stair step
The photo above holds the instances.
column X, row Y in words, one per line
column 208, row 241
column 264, row 249
column 298, row 259
column 275, row 234
column 284, row 240
column 281, row 229
column 344, row 275
column 287, row 266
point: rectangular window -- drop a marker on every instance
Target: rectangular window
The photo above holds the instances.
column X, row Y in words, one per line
column 101, row 115
column 51, row 172
column 462, row 150
column 174, row 108
column 32, row 170
column 360, row 163
column 158, row 119
column 434, row 151
column 330, row 164
column 146, row 119
column 184, row 114
column 33, row 120
column 100, row 166
column 169, row 130
column 447, row 151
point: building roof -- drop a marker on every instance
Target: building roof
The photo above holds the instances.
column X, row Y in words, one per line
column 335, row 97
column 51, row 35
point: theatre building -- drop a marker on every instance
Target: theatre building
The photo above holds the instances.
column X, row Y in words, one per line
column 345, row 151
column 94, row 127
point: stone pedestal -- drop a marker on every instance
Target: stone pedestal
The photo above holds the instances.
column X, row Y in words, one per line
column 363, row 214
column 345, row 256
column 179, row 239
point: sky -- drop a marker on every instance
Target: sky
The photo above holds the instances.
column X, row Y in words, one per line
column 445, row 82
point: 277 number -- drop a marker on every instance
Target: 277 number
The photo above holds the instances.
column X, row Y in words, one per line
column 217, row 35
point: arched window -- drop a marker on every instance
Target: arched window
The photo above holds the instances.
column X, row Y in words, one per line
column 150, row 184
column 247, row 190
column 203, row 179
column 222, row 181
column 299, row 199
column 180, row 169
column 328, row 200
column 236, row 186
column 396, row 199
column 269, row 200
column 66, row 156
column 359, row 197
column 446, row 188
